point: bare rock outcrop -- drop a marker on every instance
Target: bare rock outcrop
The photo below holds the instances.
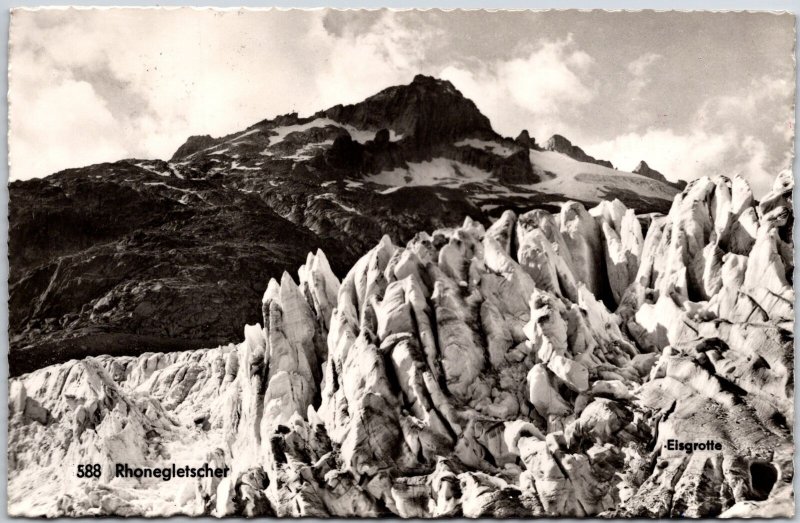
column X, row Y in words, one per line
column 562, row 145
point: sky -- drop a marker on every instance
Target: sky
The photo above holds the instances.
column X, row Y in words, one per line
column 692, row 94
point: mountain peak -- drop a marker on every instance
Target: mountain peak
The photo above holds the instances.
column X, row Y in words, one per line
column 192, row 145
column 562, row 145
column 428, row 110
column 645, row 170
column 431, row 81
column 524, row 140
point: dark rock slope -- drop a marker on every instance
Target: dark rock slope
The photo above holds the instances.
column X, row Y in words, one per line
column 128, row 263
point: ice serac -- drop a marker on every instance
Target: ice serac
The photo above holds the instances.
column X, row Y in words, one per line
column 623, row 242
column 543, row 366
column 582, row 235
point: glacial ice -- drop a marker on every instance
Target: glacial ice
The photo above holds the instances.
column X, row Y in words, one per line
column 533, row 368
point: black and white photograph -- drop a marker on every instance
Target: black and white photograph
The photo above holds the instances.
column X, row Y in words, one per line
column 400, row 263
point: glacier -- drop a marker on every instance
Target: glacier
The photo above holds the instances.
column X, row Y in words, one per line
column 537, row 367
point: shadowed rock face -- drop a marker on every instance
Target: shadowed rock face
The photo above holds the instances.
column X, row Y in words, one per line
column 122, row 266
column 193, row 145
column 525, row 140
column 428, row 110
column 125, row 257
column 537, row 367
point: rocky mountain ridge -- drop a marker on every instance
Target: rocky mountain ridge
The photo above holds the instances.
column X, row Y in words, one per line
column 561, row 145
column 645, row 170
column 123, row 257
column 537, row 367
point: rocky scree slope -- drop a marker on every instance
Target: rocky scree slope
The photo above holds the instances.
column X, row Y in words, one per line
column 122, row 262
column 473, row 372
column 124, row 257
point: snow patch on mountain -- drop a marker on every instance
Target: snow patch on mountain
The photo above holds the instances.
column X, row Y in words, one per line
column 332, row 198
column 485, row 145
column 437, row 172
column 591, row 182
column 307, row 151
column 358, row 135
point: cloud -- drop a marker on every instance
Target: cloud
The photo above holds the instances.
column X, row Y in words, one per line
column 639, row 66
column 749, row 133
column 678, row 156
column 639, row 69
column 150, row 79
column 693, row 155
column 43, row 142
column 536, row 91
column 762, row 105
column 549, row 78
column 359, row 63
